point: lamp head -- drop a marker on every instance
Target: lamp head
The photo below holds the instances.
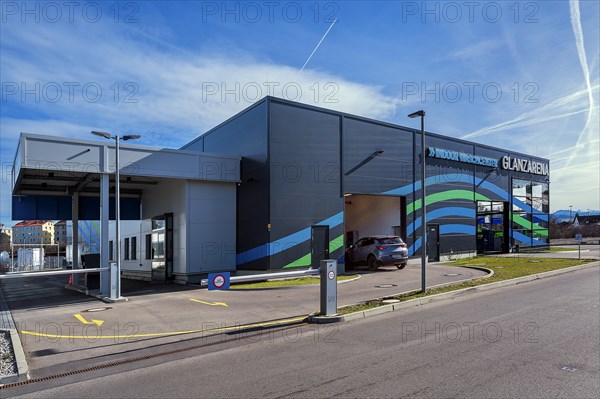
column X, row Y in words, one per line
column 418, row 113
column 131, row 137
column 102, row 134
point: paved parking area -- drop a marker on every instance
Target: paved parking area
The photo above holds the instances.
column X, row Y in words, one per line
column 59, row 326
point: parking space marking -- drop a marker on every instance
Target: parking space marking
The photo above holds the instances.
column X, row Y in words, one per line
column 210, row 303
column 170, row 333
column 84, row 321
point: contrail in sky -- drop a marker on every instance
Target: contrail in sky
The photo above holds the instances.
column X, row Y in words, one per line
column 578, row 32
column 318, row 44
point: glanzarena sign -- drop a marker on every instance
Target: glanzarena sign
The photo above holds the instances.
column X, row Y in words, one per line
column 525, row 165
column 441, row 153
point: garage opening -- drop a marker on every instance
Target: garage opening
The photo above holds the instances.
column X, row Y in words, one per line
column 374, row 215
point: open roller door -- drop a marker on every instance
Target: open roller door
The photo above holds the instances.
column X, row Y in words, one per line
column 373, row 215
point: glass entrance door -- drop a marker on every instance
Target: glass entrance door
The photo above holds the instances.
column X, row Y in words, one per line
column 162, row 247
column 492, row 224
column 158, row 249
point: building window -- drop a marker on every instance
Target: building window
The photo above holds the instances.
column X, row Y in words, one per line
column 133, row 248
column 111, row 255
column 530, row 211
column 126, row 249
column 148, row 246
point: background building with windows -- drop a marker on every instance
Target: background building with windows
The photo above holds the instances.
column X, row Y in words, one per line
column 33, row 232
column 61, row 233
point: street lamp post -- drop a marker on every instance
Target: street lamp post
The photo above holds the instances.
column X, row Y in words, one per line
column 421, row 114
column 117, row 293
column 570, row 213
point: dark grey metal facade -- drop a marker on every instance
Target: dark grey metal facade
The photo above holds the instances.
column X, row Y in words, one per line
column 299, row 161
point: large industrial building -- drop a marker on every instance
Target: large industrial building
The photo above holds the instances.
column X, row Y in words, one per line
column 282, row 185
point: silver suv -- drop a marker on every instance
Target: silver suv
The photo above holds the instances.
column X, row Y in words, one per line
column 378, row 251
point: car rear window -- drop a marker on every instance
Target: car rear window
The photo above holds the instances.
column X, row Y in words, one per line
column 390, row 240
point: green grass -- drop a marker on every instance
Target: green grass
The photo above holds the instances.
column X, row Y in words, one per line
column 504, row 269
column 290, row 282
column 358, row 308
column 560, row 249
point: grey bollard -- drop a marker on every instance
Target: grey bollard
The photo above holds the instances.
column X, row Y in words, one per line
column 114, row 281
column 328, row 287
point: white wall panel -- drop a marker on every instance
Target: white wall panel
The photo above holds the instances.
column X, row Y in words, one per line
column 371, row 214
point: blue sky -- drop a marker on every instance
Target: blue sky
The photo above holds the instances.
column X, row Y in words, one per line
column 518, row 75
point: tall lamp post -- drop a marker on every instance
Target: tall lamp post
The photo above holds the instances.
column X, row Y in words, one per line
column 421, row 114
column 117, row 294
column 570, row 213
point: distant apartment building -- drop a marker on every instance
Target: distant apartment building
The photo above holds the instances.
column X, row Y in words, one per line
column 61, row 235
column 33, row 232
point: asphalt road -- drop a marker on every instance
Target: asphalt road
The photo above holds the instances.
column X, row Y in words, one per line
column 43, row 306
column 538, row 339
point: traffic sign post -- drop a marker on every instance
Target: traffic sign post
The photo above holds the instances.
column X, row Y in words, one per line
column 328, row 287
column 578, row 237
column 218, row 281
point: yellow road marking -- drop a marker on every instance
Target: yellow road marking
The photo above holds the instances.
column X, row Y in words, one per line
column 84, row 321
column 210, row 303
column 166, row 334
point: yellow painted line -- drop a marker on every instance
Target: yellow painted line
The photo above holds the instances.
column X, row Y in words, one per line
column 210, row 303
column 84, row 321
column 166, row 334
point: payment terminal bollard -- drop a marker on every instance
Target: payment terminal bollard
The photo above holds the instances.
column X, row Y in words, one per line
column 328, row 287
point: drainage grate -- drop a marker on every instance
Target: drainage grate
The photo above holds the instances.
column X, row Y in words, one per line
column 140, row 358
column 386, row 285
column 452, row 274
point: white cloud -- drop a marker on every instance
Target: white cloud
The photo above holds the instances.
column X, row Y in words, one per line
column 84, row 77
column 144, row 86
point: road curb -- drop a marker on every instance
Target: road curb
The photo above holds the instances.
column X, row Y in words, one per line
column 358, row 315
column 20, row 360
column 453, row 294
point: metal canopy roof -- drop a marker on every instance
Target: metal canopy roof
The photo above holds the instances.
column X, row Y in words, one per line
column 51, row 165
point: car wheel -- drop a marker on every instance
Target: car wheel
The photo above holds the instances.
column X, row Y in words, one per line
column 372, row 263
column 401, row 266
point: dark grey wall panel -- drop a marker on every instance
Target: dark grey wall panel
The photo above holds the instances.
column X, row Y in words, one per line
column 299, row 160
column 196, row 145
column 305, row 184
column 367, row 173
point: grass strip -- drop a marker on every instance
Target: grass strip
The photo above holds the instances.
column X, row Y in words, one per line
column 504, row 269
column 289, row 282
column 560, row 249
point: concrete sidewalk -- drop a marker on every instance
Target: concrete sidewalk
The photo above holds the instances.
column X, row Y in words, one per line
column 59, row 326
